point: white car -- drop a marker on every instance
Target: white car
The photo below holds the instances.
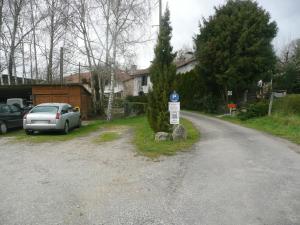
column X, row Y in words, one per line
column 51, row 116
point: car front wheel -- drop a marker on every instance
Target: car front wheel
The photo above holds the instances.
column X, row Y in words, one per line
column 66, row 128
column 3, row 128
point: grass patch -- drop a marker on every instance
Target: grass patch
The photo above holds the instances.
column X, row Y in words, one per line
column 20, row 135
column 107, row 137
column 143, row 136
column 285, row 126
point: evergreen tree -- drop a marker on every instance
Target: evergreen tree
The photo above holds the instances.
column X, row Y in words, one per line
column 234, row 48
column 191, row 88
column 162, row 75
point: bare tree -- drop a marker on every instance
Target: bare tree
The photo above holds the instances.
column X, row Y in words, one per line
column 33, row 9
column 122, row 18
column 15, row 9
column 31, row 33
column 57, row 21
column 1, row 21
column 17, row 28
column 82, row 7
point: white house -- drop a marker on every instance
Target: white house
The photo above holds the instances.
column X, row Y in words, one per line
column 140, row 79
column 186, row 65
column 135, row 82
column 119, row 87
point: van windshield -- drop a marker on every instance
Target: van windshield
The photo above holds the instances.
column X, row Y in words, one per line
column 45, row 109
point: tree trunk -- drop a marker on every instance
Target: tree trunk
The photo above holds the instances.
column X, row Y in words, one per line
column 34, row 44
column 101, row 92
column 107, row 55
column 31, row 64
column 61, row 66
column 12, row 53
column 90, row 68
column 112, row 79
column 23, row 63
column 50, row 62
column 1, row 8
column 89, row 53
column 15, row 73
column 1, row 15
column 23, row 57
column 11, row 60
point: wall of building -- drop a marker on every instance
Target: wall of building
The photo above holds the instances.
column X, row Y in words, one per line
column 186, row 68
column 128, row 87
column 73, row 95
column 138, row 87
column 119, row 87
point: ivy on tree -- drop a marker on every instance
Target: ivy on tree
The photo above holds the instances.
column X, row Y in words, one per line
column 234, row 48
column 162, row 75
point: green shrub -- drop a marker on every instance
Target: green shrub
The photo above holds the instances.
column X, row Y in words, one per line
column 210, row 104
column 140, row 98
column 135, row 108
column 117, row 103
column 289, row 104
column 258, row 109
column 190, row 88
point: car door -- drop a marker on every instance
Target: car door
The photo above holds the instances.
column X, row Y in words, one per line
column 72, row 116
column 64, row 114
column 16, row 116
column 6, row 116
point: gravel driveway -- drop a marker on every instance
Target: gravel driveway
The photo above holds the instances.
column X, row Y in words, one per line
column 234, row 175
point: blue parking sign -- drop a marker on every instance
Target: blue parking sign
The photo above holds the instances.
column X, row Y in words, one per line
column 174, row 97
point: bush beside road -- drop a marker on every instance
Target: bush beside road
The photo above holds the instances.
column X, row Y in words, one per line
column 284, row 122
column 287, row 127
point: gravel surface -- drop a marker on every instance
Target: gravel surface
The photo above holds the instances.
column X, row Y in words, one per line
column 234, row 175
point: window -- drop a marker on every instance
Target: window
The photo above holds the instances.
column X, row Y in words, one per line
column 70, row 109
column 45, row 109
column 4, row 109
column 14, row 108
column 144, row 80
column 65, row 109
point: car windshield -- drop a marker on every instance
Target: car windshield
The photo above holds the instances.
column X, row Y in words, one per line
column 45, row 109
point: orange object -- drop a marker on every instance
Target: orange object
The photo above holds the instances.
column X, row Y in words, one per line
column 231, row 106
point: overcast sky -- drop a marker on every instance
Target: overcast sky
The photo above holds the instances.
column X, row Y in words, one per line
column 186, row 14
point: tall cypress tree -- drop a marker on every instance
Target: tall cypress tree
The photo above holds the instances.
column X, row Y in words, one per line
column 162, row 75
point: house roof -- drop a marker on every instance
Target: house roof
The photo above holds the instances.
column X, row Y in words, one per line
column 122, row 76
column 178, row 64
column 183, row 63
column 74, row 78
column 141, row 72
column 63, row 85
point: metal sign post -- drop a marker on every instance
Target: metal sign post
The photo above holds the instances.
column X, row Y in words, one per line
column 229, row 94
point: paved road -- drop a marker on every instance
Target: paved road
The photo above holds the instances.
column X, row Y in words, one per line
column 233, row 176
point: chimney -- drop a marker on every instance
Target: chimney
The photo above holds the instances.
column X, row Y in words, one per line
column 133, row 68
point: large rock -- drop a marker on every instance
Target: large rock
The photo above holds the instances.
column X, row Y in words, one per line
column 179, row 133
column 162, row 136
